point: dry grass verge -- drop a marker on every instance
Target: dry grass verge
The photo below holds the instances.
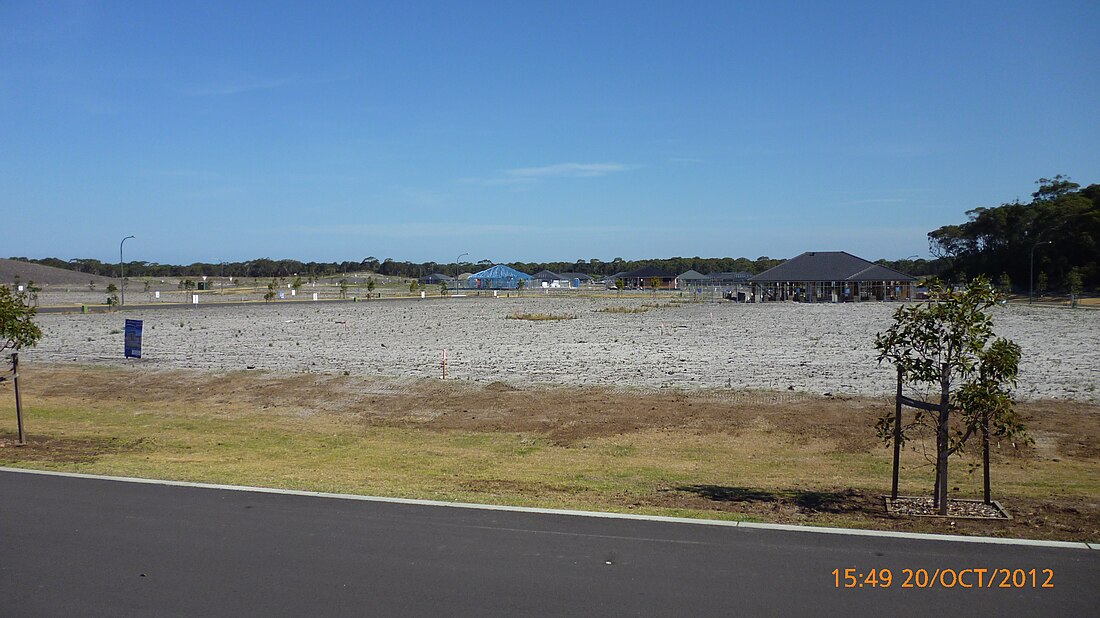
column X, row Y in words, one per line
column 716, row 454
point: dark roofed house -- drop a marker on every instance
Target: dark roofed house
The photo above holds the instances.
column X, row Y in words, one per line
column 689, row 279
column 831, row 276
column 643, row 277
column 436, row 279
column 547, row 276
column 728, row 279
column 581, row 276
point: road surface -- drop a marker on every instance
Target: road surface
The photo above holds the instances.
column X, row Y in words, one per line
column 93, row 547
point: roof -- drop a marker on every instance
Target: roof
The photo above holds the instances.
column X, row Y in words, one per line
column 730, row 276
column 581, row 276
column 500, row 271
column 830, row 266
column 436, row 277
column 547, row 275
column 692, row 275
column 646, row 272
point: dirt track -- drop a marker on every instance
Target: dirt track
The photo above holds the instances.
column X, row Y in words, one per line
column 777, row 346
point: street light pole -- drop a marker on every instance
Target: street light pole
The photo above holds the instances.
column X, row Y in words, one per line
column 458, row 260
column 122, row 272
column 1031, row 272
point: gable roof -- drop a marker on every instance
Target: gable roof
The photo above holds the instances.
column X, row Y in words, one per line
column 646, row 272
column 547, row 275
column 581, row 276
column 692, row 275
column 500, row 271
column 830, row 266
column 730, row 276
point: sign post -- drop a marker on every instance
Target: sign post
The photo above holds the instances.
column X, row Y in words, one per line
column 133, row 339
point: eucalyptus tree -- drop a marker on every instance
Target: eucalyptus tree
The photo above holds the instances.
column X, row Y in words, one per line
column 948, row 342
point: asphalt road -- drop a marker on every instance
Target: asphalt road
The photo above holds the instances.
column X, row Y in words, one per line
column 83, row 547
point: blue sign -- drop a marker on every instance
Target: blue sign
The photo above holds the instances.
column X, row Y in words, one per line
column 133, row 338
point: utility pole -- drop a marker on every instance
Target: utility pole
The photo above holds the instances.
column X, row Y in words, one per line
column 1031, row 272
column 122, row 272
column 458, row 262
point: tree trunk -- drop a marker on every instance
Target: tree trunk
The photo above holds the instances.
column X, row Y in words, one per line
column 897, row 439
column 985, row 453
column 936, row 487
column 942, row 441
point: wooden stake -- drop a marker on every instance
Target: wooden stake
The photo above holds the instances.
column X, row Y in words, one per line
column 18, row 404
column 985, row 452
column 444, row 363
column 897, row 439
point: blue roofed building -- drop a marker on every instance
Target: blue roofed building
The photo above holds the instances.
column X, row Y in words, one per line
column 499, row 277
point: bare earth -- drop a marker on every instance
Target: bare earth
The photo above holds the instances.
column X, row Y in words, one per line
column 776, row 347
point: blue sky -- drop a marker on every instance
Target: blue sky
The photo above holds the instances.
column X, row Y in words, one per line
column 530, row 131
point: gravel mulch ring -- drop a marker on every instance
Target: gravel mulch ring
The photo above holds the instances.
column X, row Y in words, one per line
column 960, row 509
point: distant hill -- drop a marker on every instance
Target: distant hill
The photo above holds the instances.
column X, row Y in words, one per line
column 45, row 275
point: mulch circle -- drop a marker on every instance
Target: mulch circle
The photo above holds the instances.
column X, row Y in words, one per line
column 959, row 509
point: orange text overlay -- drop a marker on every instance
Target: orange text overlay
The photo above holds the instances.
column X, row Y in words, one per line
column 943, row 578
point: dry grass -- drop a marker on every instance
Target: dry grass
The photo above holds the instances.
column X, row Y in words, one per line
column 641, row 309
column 541, row 317
column 716, row 454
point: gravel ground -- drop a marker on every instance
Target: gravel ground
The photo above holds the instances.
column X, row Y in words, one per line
column 774, row 346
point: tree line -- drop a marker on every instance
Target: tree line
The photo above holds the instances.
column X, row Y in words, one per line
column 265, row 267
column 1056, row 235
column 1059, row 228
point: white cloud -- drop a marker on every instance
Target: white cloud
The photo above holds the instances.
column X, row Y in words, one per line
column 223, row 89
column 568, row 170
column 496, row 182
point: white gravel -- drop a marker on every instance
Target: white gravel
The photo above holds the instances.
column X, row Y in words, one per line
column 773, row 346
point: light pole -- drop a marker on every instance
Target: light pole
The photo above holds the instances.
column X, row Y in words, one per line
column 1031, row 272
column 458, row 261
column 122, row 272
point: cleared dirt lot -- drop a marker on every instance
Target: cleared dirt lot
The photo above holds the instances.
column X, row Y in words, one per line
column 775, row 347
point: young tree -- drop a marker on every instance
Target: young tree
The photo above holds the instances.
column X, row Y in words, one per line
column 297, row 284
column 17, row 327
column 442, row 288
column 1041, row 283
column 17, row 330
column 986, row 402
column 414, row 286
column 655, row 283
column 1075, row 284
column 1005, row 284
column 946, row 341
column 270, row 295
column 33, row 291
column 112, row 295
column 370, row 286
column 343, row 288
column 522, row 283
column 619, row 285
